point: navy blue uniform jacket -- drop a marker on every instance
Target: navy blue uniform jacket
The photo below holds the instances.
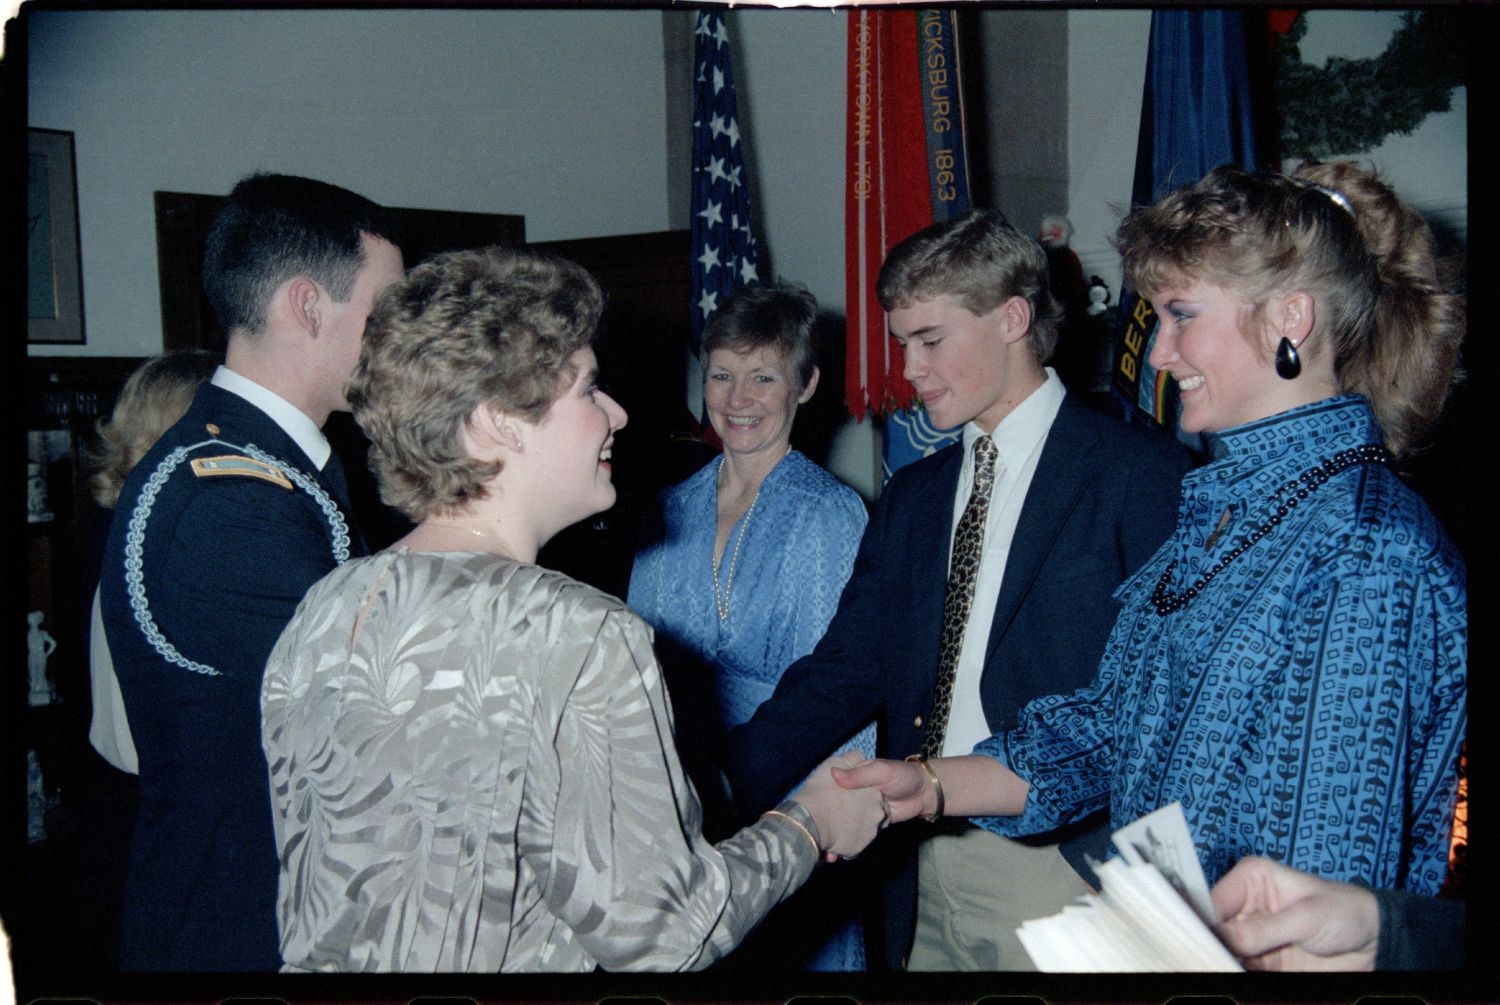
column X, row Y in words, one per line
column 1103, row 498
column 225, row 560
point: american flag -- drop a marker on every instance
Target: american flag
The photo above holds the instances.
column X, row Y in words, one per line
column 723, row 245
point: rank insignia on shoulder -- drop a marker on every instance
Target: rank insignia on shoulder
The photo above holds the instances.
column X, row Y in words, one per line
column 239, row 466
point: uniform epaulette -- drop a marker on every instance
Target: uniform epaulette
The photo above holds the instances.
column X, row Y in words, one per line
column 246, row 461
column 240, row 466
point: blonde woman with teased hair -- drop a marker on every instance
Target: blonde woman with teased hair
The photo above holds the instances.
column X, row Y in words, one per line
column 1291, row 665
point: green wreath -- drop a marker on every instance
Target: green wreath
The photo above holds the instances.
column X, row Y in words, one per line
column 1349, row 106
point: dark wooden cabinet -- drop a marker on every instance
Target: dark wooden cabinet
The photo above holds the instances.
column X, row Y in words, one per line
column 46, row 880
column 65, row 398
column 643, row 350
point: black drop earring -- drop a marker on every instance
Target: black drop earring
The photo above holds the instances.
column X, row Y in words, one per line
column 1288, row 363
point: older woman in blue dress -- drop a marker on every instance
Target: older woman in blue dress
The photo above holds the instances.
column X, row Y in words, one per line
column 741, row 568
column 1292, row 663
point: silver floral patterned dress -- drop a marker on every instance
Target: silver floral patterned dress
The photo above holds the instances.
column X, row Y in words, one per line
column 472, row 769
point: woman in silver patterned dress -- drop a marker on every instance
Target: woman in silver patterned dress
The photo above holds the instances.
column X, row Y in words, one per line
column 471, row 757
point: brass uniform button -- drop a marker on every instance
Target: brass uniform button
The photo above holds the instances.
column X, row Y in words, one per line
column 213, row 430
column 917, row 722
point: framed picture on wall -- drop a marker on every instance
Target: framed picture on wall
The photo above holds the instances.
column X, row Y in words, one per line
column 54, row 283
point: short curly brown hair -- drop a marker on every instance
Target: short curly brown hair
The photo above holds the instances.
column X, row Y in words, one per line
column 464, row 328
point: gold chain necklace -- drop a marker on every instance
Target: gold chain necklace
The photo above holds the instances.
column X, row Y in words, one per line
column 476, row 532
column 472, row 530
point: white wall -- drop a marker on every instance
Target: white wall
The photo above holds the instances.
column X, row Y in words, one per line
column 791, row 86
column 1428, row 168
column 1106, row 73
column 557, row 115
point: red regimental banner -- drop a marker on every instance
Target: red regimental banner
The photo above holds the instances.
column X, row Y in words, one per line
column 887, row 192
column 862, row 222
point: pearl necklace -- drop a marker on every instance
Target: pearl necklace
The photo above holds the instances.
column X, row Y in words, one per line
column 721, row 600
column 1167, row 602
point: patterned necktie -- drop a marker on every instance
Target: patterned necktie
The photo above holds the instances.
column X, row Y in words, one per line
column 968, row 542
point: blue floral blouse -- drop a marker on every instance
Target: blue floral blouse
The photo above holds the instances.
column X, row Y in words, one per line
column 1307, row 704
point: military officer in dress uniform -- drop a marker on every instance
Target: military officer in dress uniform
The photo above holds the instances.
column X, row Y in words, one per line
column 220, row 530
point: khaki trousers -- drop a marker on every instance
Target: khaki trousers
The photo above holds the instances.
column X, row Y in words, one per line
column 974, row 889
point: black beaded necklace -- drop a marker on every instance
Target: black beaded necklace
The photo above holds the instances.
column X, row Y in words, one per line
column 1166, row 602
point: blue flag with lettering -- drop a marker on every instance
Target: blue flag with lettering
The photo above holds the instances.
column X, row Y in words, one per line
column 908, row 434
column 1195, row 115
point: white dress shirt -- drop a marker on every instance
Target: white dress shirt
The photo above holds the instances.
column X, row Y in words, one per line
column 1018, row 441
column 292, row 420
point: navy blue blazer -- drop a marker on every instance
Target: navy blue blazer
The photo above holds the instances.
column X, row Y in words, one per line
column 225, row 550
column 1103, row 498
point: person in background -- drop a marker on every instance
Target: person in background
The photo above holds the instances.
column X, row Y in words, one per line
column 739, row 570
column 472, row 761
column 984, row 579
column 1074, row 357
column 154, row 396
column 218, row 533
column 1279, row 918
column 1292, row 664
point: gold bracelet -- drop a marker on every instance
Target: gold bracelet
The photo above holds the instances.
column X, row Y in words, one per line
column 937, row 784
column 817, row 852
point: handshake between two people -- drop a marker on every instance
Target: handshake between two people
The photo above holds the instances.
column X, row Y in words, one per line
column 847, row 819
column 853, row 798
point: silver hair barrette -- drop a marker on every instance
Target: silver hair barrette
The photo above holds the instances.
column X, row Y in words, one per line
column 1338, row 198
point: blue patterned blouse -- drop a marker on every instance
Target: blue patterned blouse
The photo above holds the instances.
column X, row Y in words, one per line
column 796, row 550
column 1307, row 704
